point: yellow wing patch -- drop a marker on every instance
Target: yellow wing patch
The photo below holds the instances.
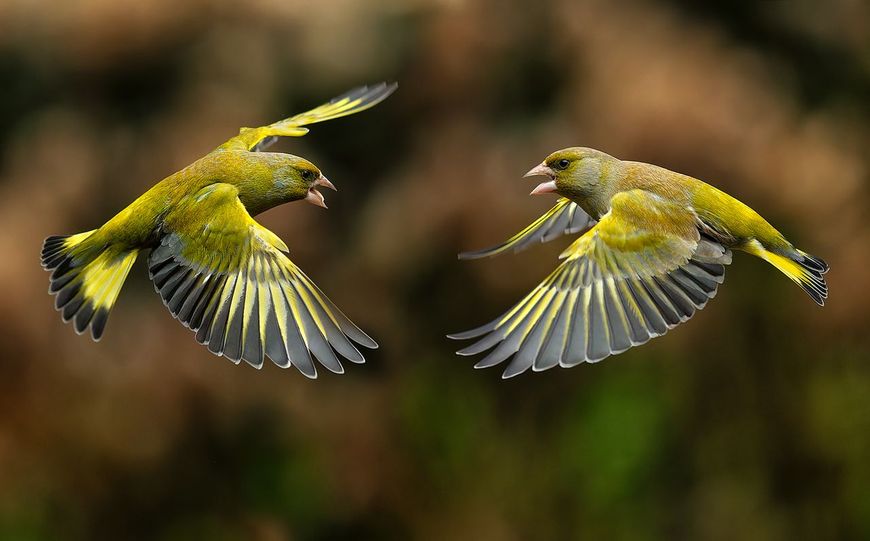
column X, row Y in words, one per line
column 226, row 277
column 357, row 100
column 637, row 273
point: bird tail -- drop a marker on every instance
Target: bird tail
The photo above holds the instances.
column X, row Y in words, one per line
column 86, row 277
column 802, row 268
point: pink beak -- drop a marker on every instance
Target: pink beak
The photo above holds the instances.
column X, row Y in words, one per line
column 314, row 196
column 544, row 187
column 323, row 181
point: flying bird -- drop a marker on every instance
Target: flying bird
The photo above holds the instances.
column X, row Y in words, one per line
column 220, row 273
column 653, row 251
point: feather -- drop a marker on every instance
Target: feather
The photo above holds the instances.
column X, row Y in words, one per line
column 610, row 293
column 248, row 302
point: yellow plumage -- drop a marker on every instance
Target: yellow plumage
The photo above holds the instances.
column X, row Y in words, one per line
column 653, row 252
column 218, row 271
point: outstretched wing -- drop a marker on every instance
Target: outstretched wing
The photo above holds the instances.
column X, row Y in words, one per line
column 643, row 269
column 227, row 277
column 354, row 101
column 564, row 218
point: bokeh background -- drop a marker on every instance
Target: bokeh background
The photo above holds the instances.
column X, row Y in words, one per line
column 752, row 421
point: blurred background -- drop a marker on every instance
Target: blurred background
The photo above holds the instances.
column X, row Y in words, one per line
column 752, row 421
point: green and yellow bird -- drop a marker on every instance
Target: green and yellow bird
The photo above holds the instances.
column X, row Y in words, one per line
column 653, row 251
column 218, row 271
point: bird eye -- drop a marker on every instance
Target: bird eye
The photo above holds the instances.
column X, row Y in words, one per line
column 307, row 175
column 563, row 164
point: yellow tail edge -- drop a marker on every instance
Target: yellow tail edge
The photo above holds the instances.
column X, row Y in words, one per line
column 86, row 278
column 802, row 268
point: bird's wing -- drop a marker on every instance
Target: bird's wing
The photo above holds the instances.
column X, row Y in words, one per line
column 227, row 277
column 354, row 101
column 643, row 269
column 564, row 218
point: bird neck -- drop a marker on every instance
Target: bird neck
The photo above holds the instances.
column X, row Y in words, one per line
column 251, row 172
column 596, row 182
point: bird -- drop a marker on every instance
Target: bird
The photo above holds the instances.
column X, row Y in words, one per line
column 217, row 270
column 652, row 252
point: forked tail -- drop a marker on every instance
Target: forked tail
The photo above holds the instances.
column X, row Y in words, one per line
column 87, row 277
column 803, row 269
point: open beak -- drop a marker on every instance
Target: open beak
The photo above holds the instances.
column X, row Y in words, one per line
column 314, row 196
column 544, row 187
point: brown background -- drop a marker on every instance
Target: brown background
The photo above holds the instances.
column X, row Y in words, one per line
column 752, row 421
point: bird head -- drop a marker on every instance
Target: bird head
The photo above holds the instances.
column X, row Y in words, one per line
column 572, row 172
column 299, row 179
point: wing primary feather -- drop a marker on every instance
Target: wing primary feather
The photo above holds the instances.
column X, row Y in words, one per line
column 220, row 318
column 554, row 344
column 488, row 327
column 598, row 341
column 347, row 326
column 485, row 343
column 314, row 334
column 475, row 332
column 616, row 317
column 297, row 343
column 277, row 334
column 235, row 318
column 691, row 288
column 640, row 332
column 617, row 320
column 507, row 322
column 181, row 293
column 533, row 338
column 252, row 345
column 679, row 300
column 275, row 347
column 554, row 348
column 185, row 313
column 517, row 329
column 203, row 314
column 313, row 330
column 575, row 353
column 165, row 273
column 663, row 304
column 704, row 280
column 332, row 326
column 170, row 286
column 542, row 321
column 529, row 347
column 505, row 349
column 264, row 301
column 715, row 270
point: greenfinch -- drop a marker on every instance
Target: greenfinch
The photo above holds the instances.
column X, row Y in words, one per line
column 653, row 251
column 218, row 271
